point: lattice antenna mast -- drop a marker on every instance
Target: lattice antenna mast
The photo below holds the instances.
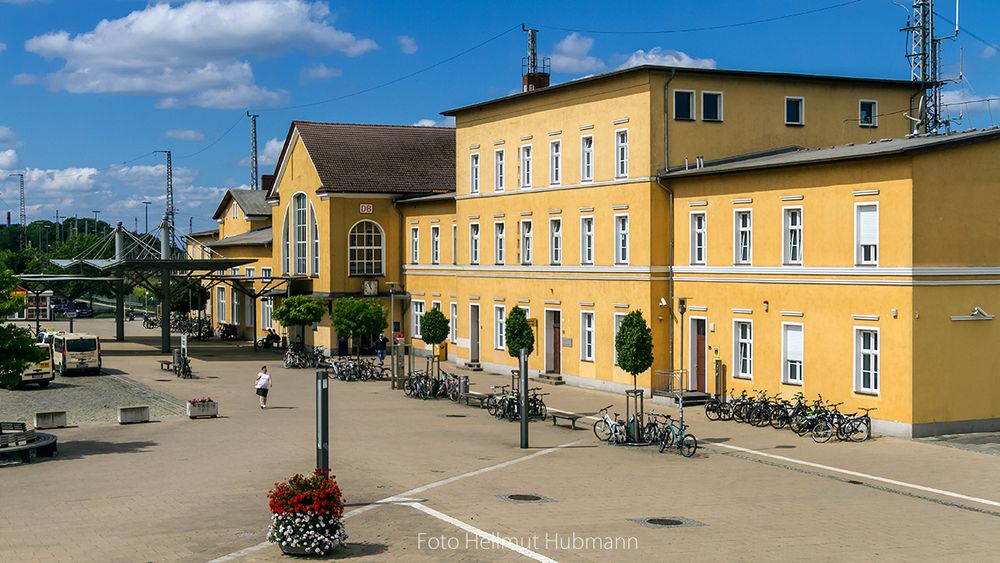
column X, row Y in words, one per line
column 169, row 210
column 23, row 216
column 253, row 151
column 925, row 61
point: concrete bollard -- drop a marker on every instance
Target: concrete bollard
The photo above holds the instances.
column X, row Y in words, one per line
column 133, row 414
column 50, row 419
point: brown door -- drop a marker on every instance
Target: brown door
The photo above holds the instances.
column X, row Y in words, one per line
column 556, row 342
column 699, row 351
column 474, row 334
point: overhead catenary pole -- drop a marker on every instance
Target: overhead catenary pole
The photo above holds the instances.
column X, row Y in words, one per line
column 254, row 184
column 22, row 215
column 169, row 210
column 146, row 204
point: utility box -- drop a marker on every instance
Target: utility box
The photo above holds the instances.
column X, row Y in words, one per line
column 442, row 352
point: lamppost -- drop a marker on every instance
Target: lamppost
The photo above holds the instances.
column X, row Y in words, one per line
column 682, row 308
column 392, row 330
column 97, row 231
column 146, row 204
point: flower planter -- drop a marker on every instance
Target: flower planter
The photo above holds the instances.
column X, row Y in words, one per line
column 203, row 409
column 306, row 515
column 300, row 551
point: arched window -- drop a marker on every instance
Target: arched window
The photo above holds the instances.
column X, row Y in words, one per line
column 301, row 242
column 286, row 248
column 314, row 239
column 365, row 249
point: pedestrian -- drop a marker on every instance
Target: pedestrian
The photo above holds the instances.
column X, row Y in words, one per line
column 380, row 347
column 262, row 385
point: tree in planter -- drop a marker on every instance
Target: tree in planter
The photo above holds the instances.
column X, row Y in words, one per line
column 17, row 349
column 517, row 332
column 433, row 330
column 634, row 345
column 356, row 318
column 299, row 310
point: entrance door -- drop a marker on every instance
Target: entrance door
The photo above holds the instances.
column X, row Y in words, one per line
column 553, row 342
column 698, row 360
column 474, row 334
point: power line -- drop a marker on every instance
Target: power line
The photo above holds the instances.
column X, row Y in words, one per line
column 704, row 28
column 216, row 141
column 966, row 31
column 405, row 76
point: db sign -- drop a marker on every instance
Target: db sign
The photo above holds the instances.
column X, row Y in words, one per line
column 366, row 208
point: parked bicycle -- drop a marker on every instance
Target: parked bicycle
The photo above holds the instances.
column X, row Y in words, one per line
column 676, row 436
column 611, row 430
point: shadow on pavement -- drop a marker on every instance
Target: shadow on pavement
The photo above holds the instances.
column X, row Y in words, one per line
column 78, row 449
column 351, row 550
column 54, row 384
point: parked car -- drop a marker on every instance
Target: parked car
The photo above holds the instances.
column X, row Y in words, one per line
column 76, row 352
column 39, row 373
column 82, row 310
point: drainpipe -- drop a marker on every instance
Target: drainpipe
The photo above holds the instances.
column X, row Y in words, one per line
column 670, row 272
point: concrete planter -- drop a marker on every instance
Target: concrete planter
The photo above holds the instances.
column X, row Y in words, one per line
column 50, row 419
column 133, row 415
column 204, row 409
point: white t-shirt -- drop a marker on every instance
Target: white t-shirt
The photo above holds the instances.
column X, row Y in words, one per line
column 263, row 381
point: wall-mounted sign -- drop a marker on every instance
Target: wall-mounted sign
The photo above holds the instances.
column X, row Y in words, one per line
column 366, row 208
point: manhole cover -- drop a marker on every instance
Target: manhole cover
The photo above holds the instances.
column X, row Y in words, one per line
column 163, row 380
column 853, row 482
column 454, row 416
column 664, row 522
column 525, row 498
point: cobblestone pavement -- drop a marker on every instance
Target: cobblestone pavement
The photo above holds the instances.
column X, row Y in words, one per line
column 983, row 442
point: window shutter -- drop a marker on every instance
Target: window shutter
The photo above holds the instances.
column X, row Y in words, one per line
column 793, row 343
column 867, row 224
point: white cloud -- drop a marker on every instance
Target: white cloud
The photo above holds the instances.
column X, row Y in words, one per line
column 407, row 44
column 3, row 46
column 989, row 52
column 447, row 121
column 24, row 79
column 666, row 57
column 268, row 156
column 8, row 138
column 192, row 52
column 184, row 134
column 8, row 159
column 572, row 54
column 318, row 72
column 968, row 100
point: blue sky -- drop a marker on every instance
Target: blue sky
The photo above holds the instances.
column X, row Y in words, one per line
column 88, row 88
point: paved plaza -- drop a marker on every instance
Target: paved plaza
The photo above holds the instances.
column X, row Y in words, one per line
column 426, row 480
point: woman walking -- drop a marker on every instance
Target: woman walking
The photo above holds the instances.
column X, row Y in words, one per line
column 262, row 385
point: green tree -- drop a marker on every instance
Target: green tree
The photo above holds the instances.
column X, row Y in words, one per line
column 356, row 318
column 634, row 345
column 17, row 349
column 188, row 295
column 299, row 311
column 433, row 330
column 518, row 333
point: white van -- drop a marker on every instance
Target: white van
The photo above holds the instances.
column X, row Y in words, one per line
column 76, row 352
column 39, row 372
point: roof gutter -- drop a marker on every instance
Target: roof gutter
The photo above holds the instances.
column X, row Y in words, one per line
column 670, row 271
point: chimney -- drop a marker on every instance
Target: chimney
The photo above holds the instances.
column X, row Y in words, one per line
column 533, row 75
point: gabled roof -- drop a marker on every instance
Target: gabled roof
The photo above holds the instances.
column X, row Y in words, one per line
column 792, row 156
column 252, row 202
column 365, row 158
column 256, row 237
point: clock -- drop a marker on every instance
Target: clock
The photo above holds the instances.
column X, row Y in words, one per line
column 369, row 287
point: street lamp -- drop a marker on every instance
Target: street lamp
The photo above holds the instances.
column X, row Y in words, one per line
column 392, row 330
column 682, row 308
column 97, row 231
column 146, row 204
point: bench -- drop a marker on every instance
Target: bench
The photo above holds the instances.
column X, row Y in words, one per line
column 480, row 398
column 15, row 438
column 167, row 365
column 569, row 417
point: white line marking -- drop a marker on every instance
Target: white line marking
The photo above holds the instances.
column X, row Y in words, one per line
column 858, row 474
column 402, row 497
column 485, row 535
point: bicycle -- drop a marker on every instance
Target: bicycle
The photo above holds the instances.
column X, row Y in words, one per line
column 610, row 430
column 717, row 409
column 676, row 435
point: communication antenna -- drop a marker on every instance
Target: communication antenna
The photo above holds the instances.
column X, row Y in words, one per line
column 534, row 74
column 925, row 64
column 169, row 210
column 23, row 216
column 253, row 151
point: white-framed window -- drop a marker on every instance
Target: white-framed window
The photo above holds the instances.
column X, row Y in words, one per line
column 619, row 317
column 866, row 360
column 435, row 244
column 414, row 245
column 248, row 304
column 366, row 249
column 743, row 349
column 526, row 166
column 699, row 237
column 526, row 240
column 474, row 173
column 684, row 105
column 621, row 153
column 555, row 162
column 743, row 241
column 791, row 353
column 454, row 244
column 453, row 324
column 436, row 305
column 868, row 113
column 792, row 239
column 621, row 239
column 249, row 271
column 236, row 211
column 587, row 158
column 265, row 272
column 474, row 243
column 418, row 316
column 314, row 239
column 286, row 245
column 499, row 236
column 266, row 309
column 220, row 303
column 555, row 241
column 234, row 305
column 235, row 271
column 499, row 327
column 866, row 234
column 587, row 336
column 795, row 110
column 301, row 232
column 498, row 170
column 586, row 240
column 711, row 106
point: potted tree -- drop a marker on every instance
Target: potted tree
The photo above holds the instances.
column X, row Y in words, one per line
column 518, row 333
column 299, row 311
column 433, row 330
column 634, row 346
column 306, row 514
column 356, row 318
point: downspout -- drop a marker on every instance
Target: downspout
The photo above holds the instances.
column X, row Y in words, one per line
column 670, row 232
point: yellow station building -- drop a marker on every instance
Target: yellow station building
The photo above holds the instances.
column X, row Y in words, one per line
column 819, row 249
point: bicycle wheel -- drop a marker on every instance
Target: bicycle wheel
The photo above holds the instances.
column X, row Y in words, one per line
column 602, row 431
column 822, row 431
column 856, row 430
column 689, row 446
column 543, row 412
column 712, row 410
column 453, row 392
column 725, row 411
